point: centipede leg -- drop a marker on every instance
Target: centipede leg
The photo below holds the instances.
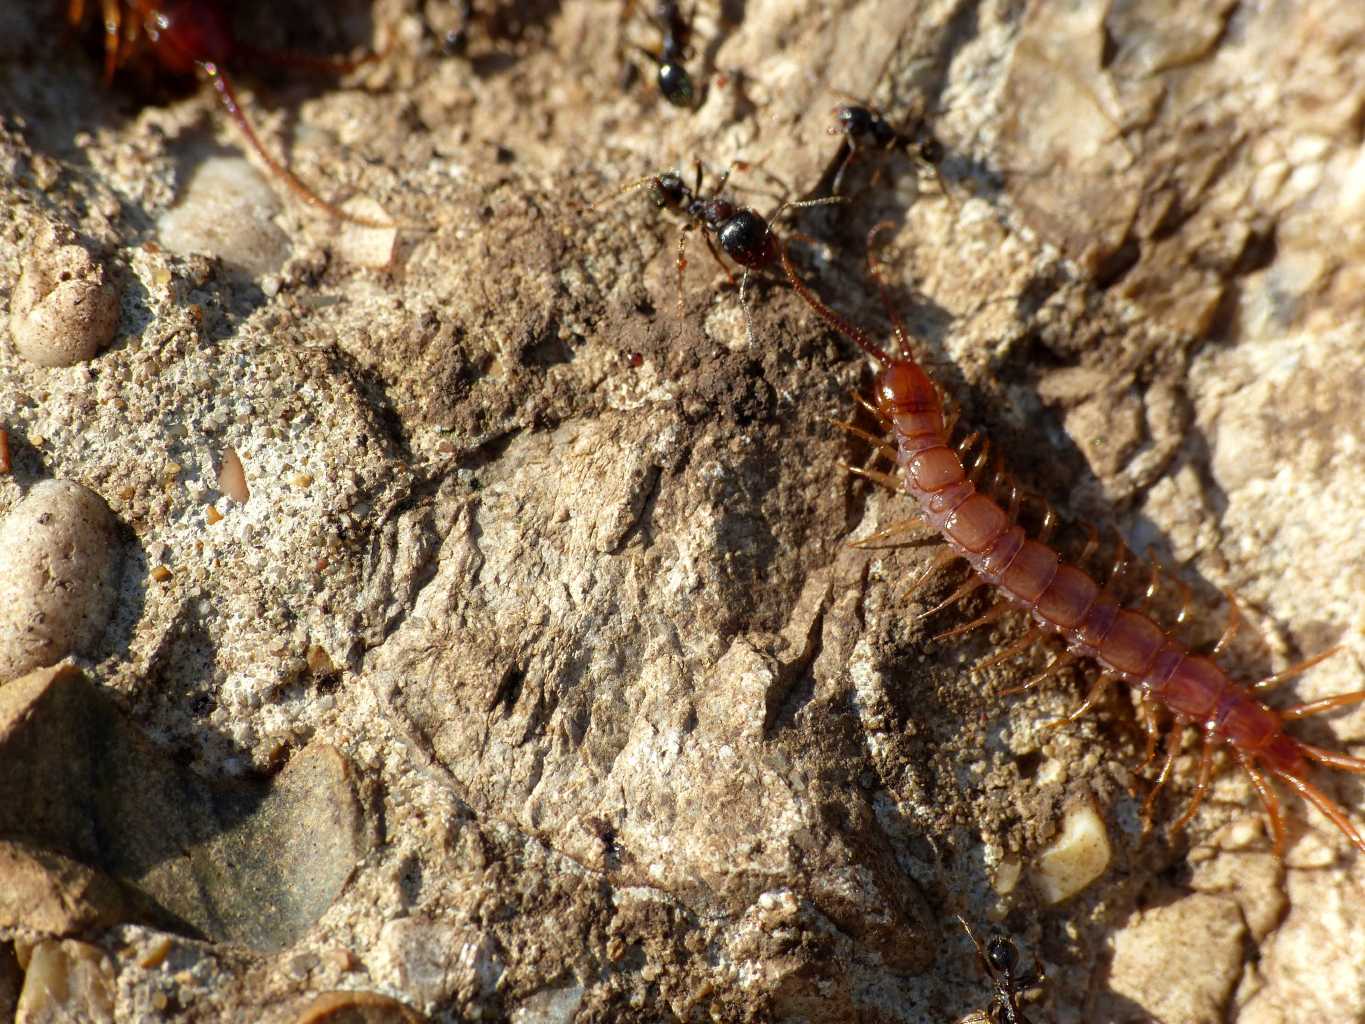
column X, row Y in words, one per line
column 899, row 528
column 888, row 481
column 1030, row 637
column 1317, row 707
column 880, row 443
column 1269, row 801
column 1295, row 670
column 1162, row 777
column 1326, row 805
column 870, row 408
column 970, row 587
column 1057, row 664
column 1201, row 787
column 1097, row 691
column 113, row 39
column 996, row 611
column 1341, row 762
column 1234, row 623
column 943, row 559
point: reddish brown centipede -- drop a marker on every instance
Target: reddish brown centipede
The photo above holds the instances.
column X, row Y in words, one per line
column 1064, row 600
column 195, row 37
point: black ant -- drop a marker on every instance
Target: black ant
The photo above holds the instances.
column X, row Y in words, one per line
column 864, row 128
column 1000, row 958
column 674, row 82
column 742, row 234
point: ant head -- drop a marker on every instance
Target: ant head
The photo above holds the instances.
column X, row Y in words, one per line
column 852, row 120
column 676, row 84
column 669, row 190
column 747, row 239
column 1001, row 955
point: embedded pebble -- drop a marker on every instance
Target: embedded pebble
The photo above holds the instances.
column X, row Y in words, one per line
column 232, row 477
column 227, row 212
column 59, row 555
column 43, row 891
column 64, row 308
column 357, row 1008
column 365, row 245
column 1075, row 858
column 66, row 981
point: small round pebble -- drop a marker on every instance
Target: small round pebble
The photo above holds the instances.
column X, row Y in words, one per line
column 64, row 308
column 59, row 555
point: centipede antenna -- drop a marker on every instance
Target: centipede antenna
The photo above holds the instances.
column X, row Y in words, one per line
column 1295, row 670
column 222, row 85
column 828, row 315
column 902, row 336
column 1326, row 805
column 1269, row 800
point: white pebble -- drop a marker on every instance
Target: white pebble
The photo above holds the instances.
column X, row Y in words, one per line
column 59, row 556
column 228, row 212
column 64, row 308
column 1075, row 858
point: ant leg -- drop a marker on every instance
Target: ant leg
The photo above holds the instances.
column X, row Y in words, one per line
column 681, row 263
column 716, row 256
column 228, row 96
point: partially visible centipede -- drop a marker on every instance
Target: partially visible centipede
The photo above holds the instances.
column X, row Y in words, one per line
column 195, row 37
column 1064, row 600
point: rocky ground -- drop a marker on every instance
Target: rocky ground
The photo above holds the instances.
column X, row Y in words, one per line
column 448, row 626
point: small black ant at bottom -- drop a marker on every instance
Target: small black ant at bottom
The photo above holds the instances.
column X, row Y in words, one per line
column 1000, row 958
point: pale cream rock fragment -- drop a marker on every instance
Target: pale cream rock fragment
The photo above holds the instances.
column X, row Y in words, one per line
column 58, row 565
column 66, row 981
column 1075, row 858
column 64, row 308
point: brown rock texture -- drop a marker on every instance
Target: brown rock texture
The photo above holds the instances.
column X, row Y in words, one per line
column 540, row 636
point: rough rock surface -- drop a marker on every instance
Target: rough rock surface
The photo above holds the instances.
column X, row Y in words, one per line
column 555, row 582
